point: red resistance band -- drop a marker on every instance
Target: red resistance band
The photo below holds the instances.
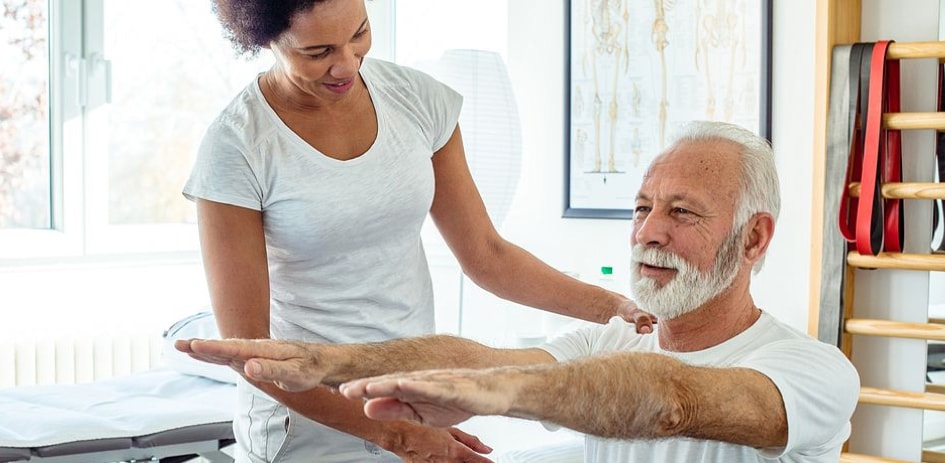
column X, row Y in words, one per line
column 875, row 161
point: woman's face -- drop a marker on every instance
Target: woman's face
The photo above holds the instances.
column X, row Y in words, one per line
column 321, row 52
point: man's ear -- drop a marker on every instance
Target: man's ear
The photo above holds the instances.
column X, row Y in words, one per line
column 759, row 231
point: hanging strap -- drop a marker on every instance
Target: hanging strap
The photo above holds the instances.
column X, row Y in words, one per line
column 841, row 116
column 894, row 219
column 858, row 90
column 870, row 208
column 938, row 206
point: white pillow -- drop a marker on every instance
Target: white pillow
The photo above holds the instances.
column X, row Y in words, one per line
column 200, row 325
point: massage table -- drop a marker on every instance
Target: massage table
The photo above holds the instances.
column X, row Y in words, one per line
column 160, row 414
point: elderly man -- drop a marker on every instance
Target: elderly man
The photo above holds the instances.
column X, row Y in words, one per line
column 720, row 379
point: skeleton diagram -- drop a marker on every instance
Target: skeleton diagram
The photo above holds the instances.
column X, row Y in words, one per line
column 659, row 33
column 609, row 26
column 719, row 35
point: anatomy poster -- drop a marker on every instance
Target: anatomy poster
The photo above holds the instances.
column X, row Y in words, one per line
column 640, row 68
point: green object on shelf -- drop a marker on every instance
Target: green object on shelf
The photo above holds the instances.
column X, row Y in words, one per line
column 607, row 270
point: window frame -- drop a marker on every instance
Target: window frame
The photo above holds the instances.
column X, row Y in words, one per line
column 78, row 93
column 64, row 235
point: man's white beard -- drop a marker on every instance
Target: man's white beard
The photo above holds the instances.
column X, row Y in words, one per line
column 690, row 288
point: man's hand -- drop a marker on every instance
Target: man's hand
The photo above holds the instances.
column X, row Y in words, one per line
column 643, row 321
column 436, row 397
column 293, row 366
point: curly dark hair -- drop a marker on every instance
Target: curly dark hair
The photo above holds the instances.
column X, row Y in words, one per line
column 252, row 24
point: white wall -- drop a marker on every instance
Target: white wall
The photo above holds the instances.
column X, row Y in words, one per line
column 536, row 64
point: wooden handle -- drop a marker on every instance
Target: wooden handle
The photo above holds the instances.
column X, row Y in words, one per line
column 914, row 121
column 898, row 260
column 909, row 50
column 892, row 398
column 895, row 329
column 906, row 190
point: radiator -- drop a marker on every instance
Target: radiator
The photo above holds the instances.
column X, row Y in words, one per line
column 70, row 360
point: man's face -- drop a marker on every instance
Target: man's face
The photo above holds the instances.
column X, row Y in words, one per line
column 684, row 249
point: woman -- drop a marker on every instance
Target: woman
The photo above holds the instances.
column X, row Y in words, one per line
column 311, row 189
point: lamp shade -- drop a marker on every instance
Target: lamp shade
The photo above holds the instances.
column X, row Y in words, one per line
column 489, row 122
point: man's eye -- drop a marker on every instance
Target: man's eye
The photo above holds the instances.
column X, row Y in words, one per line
column 641, row 210
column 679, row 210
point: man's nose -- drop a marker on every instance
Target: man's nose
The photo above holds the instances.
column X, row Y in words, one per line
column 651, row 230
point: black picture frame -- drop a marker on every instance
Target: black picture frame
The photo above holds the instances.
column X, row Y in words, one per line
column 580, row 208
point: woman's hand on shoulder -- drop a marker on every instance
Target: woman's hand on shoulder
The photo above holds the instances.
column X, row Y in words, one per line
column 643, row 321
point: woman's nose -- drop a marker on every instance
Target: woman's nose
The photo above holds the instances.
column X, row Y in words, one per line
column 346, row 65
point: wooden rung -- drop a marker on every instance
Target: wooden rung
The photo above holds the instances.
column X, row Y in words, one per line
column 914, row 121
column 909, row 50
column 935, row 388
column 906, row 190
column 932, row 456
column 930, row 331
column 940, row 321
column 898, row 260
column 857, row 458
column 892, row 398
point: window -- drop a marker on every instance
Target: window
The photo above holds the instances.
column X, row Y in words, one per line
column 93, row 163
column 24, row 123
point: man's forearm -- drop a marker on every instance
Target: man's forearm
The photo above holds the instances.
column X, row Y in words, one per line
column 644, row 395
column 603, row 396
column 345, row 362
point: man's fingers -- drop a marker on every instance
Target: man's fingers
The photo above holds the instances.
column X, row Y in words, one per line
column 389, row 408
column 353, row 389
column 183, row 345
column 286, row 375
column 224, row 351
column 243, row 349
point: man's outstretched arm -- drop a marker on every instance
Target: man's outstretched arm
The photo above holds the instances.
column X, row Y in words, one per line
column 623, row 395
column 299, row 366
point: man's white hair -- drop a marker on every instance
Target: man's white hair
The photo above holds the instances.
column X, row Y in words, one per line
column 759, row 186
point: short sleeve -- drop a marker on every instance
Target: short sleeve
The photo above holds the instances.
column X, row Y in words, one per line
column 569, row 346
column 439, row 107
column 223, row 172
column 616, row 335
column 819, row 387
column 446, row 106
column 414, row 95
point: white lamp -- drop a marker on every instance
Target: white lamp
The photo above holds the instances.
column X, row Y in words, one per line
column 492, row 133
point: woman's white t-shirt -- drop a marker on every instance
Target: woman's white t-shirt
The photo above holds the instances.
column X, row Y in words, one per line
column 346, row 262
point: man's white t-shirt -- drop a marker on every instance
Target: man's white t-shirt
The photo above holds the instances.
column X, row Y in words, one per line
column 346, row 262
column 818, row 384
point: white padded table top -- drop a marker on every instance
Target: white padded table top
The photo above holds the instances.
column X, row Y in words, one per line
column 126, row 407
